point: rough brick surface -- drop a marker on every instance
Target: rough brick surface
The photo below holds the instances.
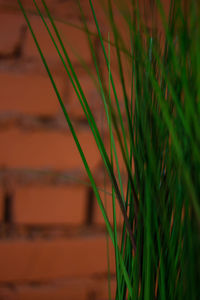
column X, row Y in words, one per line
column 92, row 95
column 10, row 31
column 41, row 260
column 108, row 204
column 84, row 289
column 28, row 94
column 52, row 245
column 49, row 205
column 74, row 40
column 46, row 149
column 48, row 248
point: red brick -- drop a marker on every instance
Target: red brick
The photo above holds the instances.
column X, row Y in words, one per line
column 46, row 149
column 10, row 25
column 49, row 205
column 75, row 42
column 29, row 94
column 92, row 95
column 63, row 10
column 107, row 200
column 41, row 260
column 72, row 289
column 11, row 6
column 69, row 10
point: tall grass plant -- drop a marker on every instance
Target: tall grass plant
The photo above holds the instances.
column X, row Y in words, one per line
column 156, row 126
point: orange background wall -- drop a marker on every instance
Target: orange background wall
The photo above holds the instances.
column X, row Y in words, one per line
column 52, row 234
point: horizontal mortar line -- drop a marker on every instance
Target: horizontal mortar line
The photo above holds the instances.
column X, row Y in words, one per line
column 19, row 232
column 10, row 119
column 59, row 282
column 47, row 176
column 42, row 176
column 43, row 233
column 26, row 122
column 31, row 65
column 28, row 65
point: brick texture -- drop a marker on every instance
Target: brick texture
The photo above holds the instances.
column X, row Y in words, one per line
column 74, row 40
column 107, row 201
column 47, row 149
column 50, row 205
column 28, row 94
column 52, row 234
column 74, row 289
column 92, row 95
column 41, row 260
column 10, row 27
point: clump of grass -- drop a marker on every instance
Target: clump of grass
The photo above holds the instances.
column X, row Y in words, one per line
column 156, row 252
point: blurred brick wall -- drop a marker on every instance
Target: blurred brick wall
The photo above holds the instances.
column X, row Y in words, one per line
column 52, row 234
